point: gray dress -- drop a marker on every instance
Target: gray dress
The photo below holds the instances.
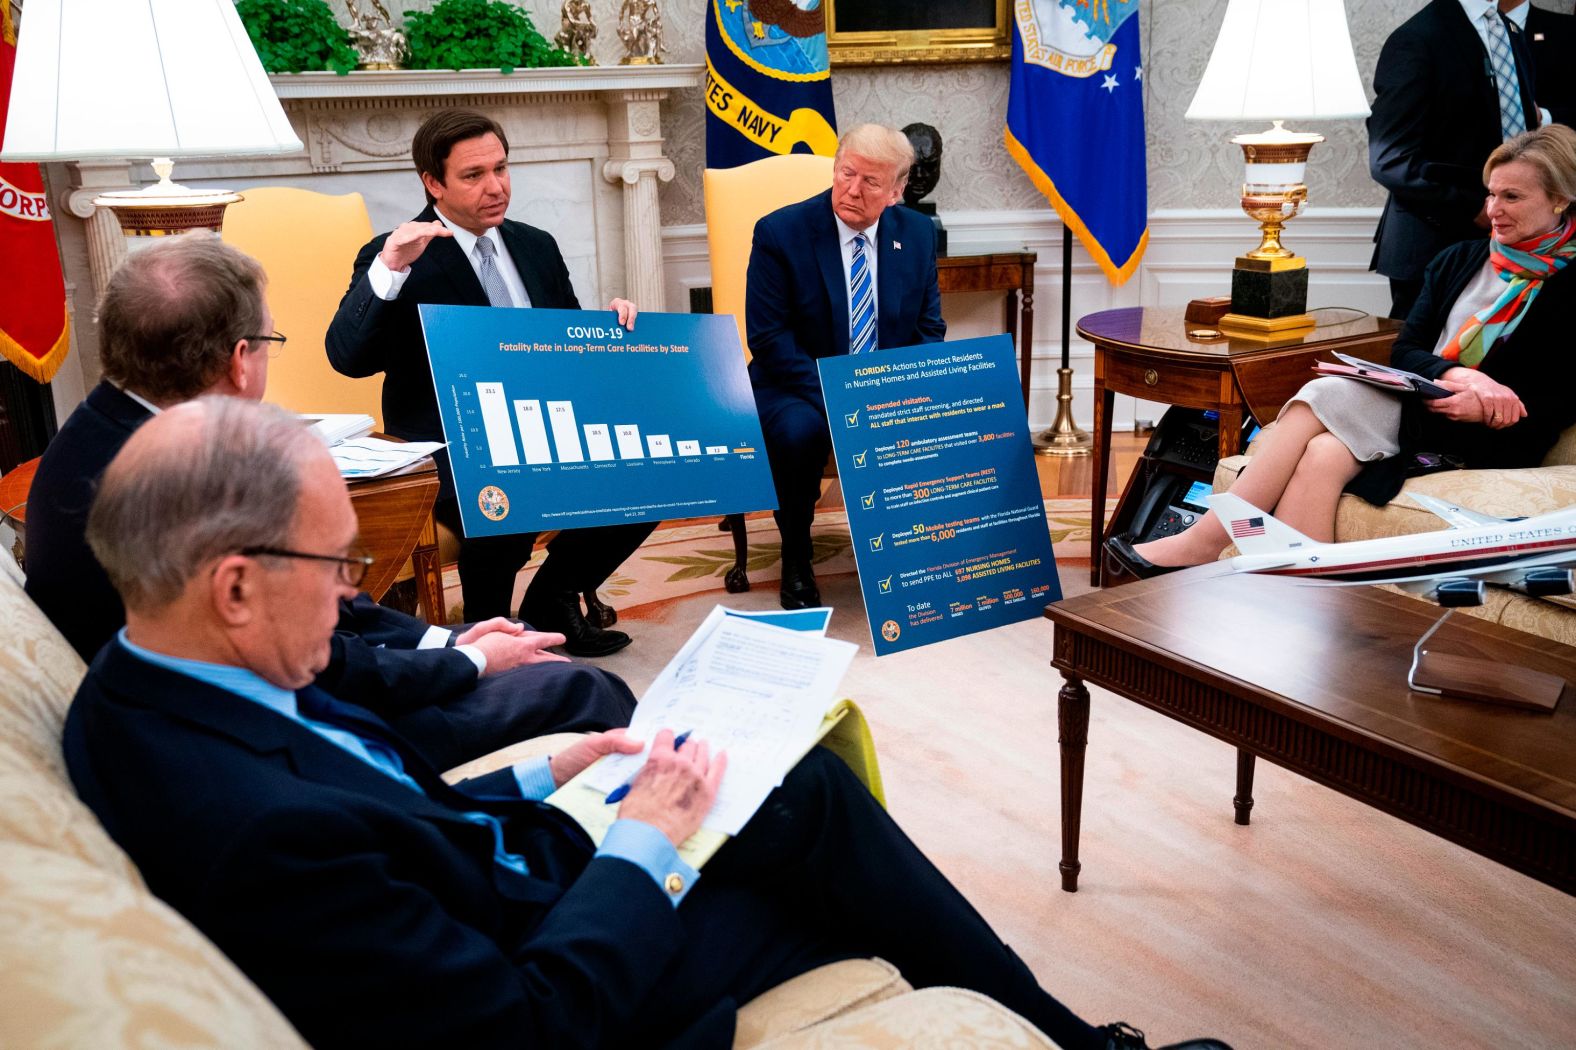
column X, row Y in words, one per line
column 1364, row 418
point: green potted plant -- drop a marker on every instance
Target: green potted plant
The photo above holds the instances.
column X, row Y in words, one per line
column 479, row 34
column 297, row 36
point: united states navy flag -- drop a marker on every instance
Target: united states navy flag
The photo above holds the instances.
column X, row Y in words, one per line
column 1075, row 121
column 768, row 82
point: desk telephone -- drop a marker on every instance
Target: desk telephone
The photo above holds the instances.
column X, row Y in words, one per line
column 1175, row 472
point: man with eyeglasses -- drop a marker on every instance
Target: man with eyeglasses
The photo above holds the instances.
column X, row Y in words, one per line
column 844, row 272
column 187, row 318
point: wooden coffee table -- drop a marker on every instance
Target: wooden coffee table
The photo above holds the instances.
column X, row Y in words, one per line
column 1313, row 678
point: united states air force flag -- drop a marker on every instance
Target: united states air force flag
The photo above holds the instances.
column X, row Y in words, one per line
column 768, row 82
column 1075, row 121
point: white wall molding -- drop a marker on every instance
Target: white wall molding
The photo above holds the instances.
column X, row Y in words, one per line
column 1189, row 255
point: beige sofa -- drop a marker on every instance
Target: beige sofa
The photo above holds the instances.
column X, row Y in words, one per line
column 90, row 959
column 1506, row 493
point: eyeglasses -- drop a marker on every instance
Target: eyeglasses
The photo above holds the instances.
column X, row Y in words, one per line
column 352, row 567
column 273, row 351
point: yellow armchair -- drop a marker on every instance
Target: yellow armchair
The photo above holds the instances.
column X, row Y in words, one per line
column 738, row 198
column 306, row 242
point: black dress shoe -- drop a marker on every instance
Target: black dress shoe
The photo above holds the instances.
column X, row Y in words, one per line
column 799, row 590
column 1123, row 1036
column 598, row 612
column 560, row 611
column 1120, row 548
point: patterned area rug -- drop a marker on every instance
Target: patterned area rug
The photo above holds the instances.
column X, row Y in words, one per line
column 693, row 557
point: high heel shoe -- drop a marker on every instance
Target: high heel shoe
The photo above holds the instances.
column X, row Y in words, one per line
column 1120, row 549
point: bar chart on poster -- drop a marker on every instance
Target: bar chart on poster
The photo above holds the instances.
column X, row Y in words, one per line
column 573, row 441
column 562, row 418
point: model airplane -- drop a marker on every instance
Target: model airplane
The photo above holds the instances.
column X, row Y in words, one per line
column 1450, row 566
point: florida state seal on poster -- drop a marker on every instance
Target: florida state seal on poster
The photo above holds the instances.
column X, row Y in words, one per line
column 1073, row 38
column 493, row 503
column 890, row 630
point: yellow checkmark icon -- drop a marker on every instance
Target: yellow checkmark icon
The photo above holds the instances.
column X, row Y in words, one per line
column 851, row 418
column 886, row 585
column 875, row 543
column 869, row 501
column 859, row 460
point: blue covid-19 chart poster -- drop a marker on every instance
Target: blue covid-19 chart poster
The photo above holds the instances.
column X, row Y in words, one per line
column 561, row 419
column 944, row 504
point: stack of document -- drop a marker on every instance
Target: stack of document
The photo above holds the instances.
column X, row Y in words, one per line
column 336, row 427
column 359, row 456
column 371, row 457
column 760, row 692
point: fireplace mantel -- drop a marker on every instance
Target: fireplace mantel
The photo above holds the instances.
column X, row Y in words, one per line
column 426, row 84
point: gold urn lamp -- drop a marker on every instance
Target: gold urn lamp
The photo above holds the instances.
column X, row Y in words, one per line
column 1277, row 60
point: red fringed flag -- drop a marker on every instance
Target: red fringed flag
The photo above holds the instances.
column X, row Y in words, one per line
column 35, row 332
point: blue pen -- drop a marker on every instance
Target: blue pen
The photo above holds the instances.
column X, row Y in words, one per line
column 618, row 793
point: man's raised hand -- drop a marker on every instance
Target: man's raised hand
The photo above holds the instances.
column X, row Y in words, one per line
column 405, row 245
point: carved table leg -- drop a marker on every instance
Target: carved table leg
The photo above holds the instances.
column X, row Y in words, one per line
column 1072, row 720
column 1244, row 798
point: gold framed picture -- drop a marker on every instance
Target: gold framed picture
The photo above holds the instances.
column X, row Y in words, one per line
column 883, row 32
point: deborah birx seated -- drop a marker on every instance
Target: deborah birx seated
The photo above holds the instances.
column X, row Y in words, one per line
column 1492, row 326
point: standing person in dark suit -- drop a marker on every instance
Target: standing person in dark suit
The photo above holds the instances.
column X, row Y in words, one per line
column 379, row 907
column 1551, row 39
column 843, row 272
column 462, row 251
column 186, row 318
column 1453, row 81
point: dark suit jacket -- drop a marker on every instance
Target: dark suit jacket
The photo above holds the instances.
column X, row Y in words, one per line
column 68, row 584
column 372, row 915
column 1551, row 39
column 796, row 310
column 370, row 335
column 1435, row 121
column 1533, row 361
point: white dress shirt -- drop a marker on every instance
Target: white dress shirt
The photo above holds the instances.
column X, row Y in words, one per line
column 386, row 283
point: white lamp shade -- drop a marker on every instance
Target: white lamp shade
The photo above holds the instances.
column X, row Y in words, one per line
column 1281, row 60
column 139, row 78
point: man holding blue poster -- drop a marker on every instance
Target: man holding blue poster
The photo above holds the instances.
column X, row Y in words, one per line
column 462, row 251
column 844, row 272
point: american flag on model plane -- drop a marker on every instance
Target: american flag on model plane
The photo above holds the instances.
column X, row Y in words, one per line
column 1247, row 527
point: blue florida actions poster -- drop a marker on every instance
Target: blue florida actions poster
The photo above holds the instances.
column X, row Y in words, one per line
column 561, row 419
column 944, row 505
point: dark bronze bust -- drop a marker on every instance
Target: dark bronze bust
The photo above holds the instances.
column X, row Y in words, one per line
column 926, row 172
column 924, row 175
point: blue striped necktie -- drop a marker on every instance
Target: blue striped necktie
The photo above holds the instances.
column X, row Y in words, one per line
column 1512, row 120
column 861, row 301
